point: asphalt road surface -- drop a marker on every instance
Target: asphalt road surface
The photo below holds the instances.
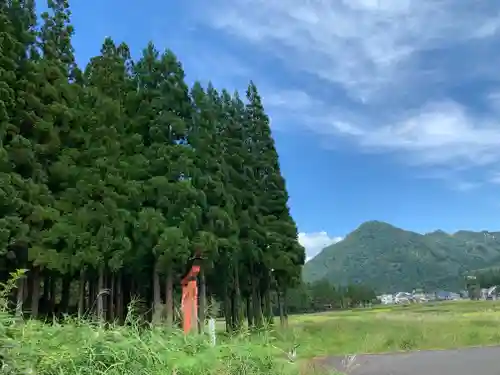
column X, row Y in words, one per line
column 470, row 361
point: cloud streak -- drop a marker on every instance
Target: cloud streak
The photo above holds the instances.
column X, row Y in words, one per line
column 401, row 71
column 367, row 46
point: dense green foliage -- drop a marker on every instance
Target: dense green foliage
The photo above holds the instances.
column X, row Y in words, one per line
column 487, row 277
column 322, row 296
column 113, row 176
column 392, row 259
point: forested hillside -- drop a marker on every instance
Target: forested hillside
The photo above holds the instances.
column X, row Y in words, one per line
column 391, row 259
column 113, row 175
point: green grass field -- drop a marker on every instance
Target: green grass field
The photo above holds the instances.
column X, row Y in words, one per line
column 442, row 325
column 85, row 348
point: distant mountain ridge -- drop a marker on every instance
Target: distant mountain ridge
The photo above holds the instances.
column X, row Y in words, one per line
column 392, row 259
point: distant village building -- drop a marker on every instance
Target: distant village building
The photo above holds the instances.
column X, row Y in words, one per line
column 483, row 293
column 492, row 293
column 386, row 299
column 403, row 298
column 454, row 296
column 443, row 295
column 419, row 296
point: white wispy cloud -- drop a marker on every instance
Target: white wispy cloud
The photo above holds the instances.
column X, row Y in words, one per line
column 315, row 242
column 394, row 62
column 493, row 100
column 436, row 134
column 489, row 28
column 465, row 185
column 439, row 134
column 367, row 46
column 294, row 100
column 495, row 178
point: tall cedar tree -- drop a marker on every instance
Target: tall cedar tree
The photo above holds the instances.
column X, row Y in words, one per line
column 15, row 150
column 171, row 215
column 107, row 211
column 217, row 224
column 58, row 96
column 282, row 254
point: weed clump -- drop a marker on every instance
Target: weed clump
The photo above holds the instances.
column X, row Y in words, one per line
column 83, row 347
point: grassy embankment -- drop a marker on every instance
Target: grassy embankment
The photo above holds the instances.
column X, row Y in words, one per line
column 79, row 347
column 86, row 348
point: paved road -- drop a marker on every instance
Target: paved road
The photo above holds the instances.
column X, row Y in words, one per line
column 471, row 361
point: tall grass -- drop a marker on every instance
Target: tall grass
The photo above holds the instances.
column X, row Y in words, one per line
column 446, row 325
column 84, row 347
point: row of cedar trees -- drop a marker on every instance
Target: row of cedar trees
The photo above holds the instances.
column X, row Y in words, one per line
column 112, row 177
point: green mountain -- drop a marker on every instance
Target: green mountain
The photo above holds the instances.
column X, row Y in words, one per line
column 392, row 259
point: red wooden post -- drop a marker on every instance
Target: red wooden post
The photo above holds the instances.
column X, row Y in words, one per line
column 189, row 303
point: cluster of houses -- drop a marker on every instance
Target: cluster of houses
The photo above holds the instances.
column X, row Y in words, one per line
column 405, row 297
column 420, row 297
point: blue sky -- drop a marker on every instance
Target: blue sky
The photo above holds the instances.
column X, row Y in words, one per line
column 381, row 109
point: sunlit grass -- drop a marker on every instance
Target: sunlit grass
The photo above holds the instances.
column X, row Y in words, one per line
column 78, row 347
column 440, row 325
column 85, row 348
column 400, row 328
